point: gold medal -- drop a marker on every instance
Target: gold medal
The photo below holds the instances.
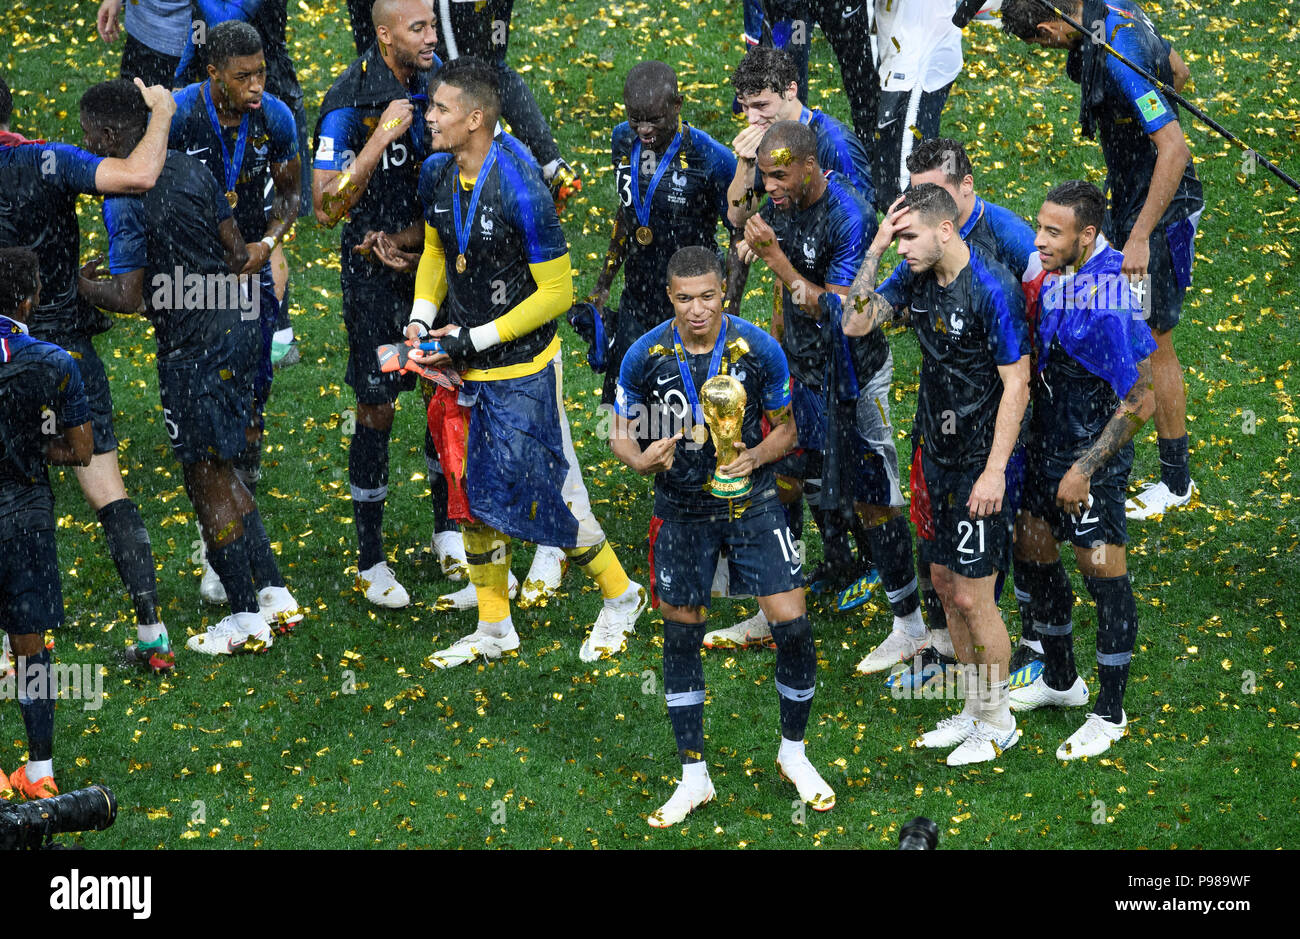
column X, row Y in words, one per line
column 232, row 198
column 461, row 264
column 700, row 434
column 644, row 235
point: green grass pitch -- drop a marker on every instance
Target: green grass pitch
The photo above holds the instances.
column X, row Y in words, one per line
column 341, row 735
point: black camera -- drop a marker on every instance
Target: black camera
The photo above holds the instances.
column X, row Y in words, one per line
column 920, row 834
column 30, row 824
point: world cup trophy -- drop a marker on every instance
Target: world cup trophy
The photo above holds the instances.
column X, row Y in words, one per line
column 723, row 401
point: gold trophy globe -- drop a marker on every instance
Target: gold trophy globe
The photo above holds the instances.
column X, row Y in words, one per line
column 722, row 398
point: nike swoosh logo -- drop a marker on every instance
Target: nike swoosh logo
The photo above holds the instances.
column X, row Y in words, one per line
column 196, row 152
column 882, row 124
column 438, row 211
column 971, row 561
column 847, row 13
column 1089, row 531
column 663, row 379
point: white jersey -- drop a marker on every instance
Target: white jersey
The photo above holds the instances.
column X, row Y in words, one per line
column 917, row 44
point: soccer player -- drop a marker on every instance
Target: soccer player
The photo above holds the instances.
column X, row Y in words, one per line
column 245, row 137
column 846, row 24
column 39, row 184
column 668, row 365
column 482, row 29
column 968, row 314
column 269, row 18
column 44, row 419
column 1003, row 236
column 1155, row 198
column 1092, row 392
column 675, row 197
column 494, row 275
column 767, row 88
column 174, row 251
column 813, row 233
column 370, row 142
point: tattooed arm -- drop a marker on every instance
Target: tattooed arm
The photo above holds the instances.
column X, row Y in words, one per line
column 1134, row 411
column 864, row 309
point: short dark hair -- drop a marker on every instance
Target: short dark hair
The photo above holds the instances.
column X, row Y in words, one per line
column 931, row 203
column 799, row 139
column 694, row 261
column 20, row 278
column 1020, row 18
column 764, row 69
column 650, row 78
column 941, row 153
column 117, row 104
column 232, row 39
column 476, row 80
column 6, row 103
column 1084, row 198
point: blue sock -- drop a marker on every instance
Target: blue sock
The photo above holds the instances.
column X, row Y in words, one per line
column 1174, row 470
column 796, row 674
column 261, row 559
column 36, row 701
column 232, row 566
column 1116, row 636
column 368, row 474
column 684, row 687
column 128, row 543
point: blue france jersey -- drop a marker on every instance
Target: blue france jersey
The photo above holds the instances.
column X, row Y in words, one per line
column 272, row 138
column 37, row 380
column 1002, row 236
column 1090, row 339
column 39, row 184
column 688, row 203
column 171, row 232
column 652, row 397
column 1131, row 109
column 966, row 330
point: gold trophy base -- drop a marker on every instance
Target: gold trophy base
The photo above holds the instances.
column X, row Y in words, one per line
column 730, row 487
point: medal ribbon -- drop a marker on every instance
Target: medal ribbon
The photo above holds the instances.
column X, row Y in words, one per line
column 642, row 209
column 688, row 383
column 462, row 231
column 232, row 166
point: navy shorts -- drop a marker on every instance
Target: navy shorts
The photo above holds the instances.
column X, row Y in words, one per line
column 374, row 315
column 31, row 598
column 1169, row 272
column 946, row 532
column 760, row 551
column 1102, row 523
column 95, row 381
column 206, row 406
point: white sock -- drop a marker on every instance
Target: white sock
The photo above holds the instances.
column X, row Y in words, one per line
column 790, row 749
column 283, row 335
column 912, row 625
column 995, row 706
column 1035, row 644
column 496, row 630
column 969, row 690
column 695, row 774
column 628, row 598
column 941, row 642
column 39, row 769
column 549, row 169
column 150, row 633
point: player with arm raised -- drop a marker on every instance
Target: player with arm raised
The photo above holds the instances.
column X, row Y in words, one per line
column 39, row 185
column 968, row 314
column 1092, row 392
column 1155, row 198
